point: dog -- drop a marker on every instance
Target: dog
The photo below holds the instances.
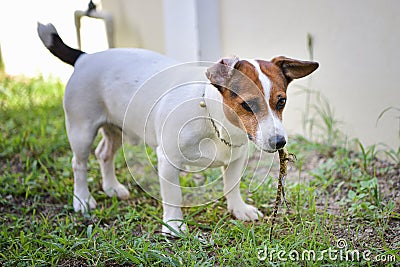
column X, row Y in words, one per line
column 241, row 101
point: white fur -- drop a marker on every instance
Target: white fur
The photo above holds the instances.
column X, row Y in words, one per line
column 45, row 32
column 271, row 125
column 148, row 96
column 103, row 93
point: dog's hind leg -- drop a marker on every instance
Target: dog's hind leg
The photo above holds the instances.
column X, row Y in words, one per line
column 81, row 139
column 105, row 152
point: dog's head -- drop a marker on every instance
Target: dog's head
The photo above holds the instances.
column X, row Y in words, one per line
column 254, row 95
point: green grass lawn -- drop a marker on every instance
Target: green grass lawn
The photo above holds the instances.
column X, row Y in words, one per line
column 345, row 203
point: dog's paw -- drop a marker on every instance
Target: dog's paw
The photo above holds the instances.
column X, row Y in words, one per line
column 174, row 227
column 173, row 221
column 118, row 190
column 84, row 204
column 245, row 212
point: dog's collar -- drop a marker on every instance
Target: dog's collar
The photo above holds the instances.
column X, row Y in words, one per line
column 217, row 132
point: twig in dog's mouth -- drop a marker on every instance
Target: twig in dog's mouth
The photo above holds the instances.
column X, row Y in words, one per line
column 284, row 157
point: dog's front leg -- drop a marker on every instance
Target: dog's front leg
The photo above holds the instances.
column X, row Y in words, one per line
column 232, row 175
column 171, row 194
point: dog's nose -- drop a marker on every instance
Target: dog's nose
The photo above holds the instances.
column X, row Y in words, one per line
column 277, row 141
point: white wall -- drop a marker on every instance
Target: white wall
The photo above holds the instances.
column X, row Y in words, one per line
column 138, row 23
column 192, row 30
column 356, row 42
column 23, row 51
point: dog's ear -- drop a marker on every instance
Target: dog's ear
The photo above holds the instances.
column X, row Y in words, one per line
column 294, row 69
column 220, row 73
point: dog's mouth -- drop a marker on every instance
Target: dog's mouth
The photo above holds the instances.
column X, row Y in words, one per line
column 259, row 147
column 267, row 150
column 270, row 151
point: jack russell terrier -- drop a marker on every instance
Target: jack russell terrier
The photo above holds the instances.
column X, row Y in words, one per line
column 242, row 100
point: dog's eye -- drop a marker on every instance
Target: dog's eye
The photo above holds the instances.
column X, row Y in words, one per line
column 281, row 103
column 246, row 106
column 250, row 106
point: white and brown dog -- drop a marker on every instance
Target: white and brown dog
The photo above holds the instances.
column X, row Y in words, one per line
column 243, row 100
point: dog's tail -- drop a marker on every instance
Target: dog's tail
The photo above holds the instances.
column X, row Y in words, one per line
column 52, row 41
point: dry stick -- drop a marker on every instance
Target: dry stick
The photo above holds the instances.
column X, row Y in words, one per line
column 284, row 157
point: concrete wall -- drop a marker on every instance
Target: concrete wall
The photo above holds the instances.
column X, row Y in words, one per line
column 356, row 42
column 22, row 49
column 138, row 23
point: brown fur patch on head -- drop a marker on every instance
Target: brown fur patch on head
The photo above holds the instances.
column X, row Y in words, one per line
column 279, row 86
column 246, row 103
column 293, row 68
column 244, row 100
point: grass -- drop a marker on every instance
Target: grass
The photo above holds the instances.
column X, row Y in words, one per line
column 342, row 193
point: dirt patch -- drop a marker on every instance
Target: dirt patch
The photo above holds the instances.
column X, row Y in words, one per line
column 361, row 231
